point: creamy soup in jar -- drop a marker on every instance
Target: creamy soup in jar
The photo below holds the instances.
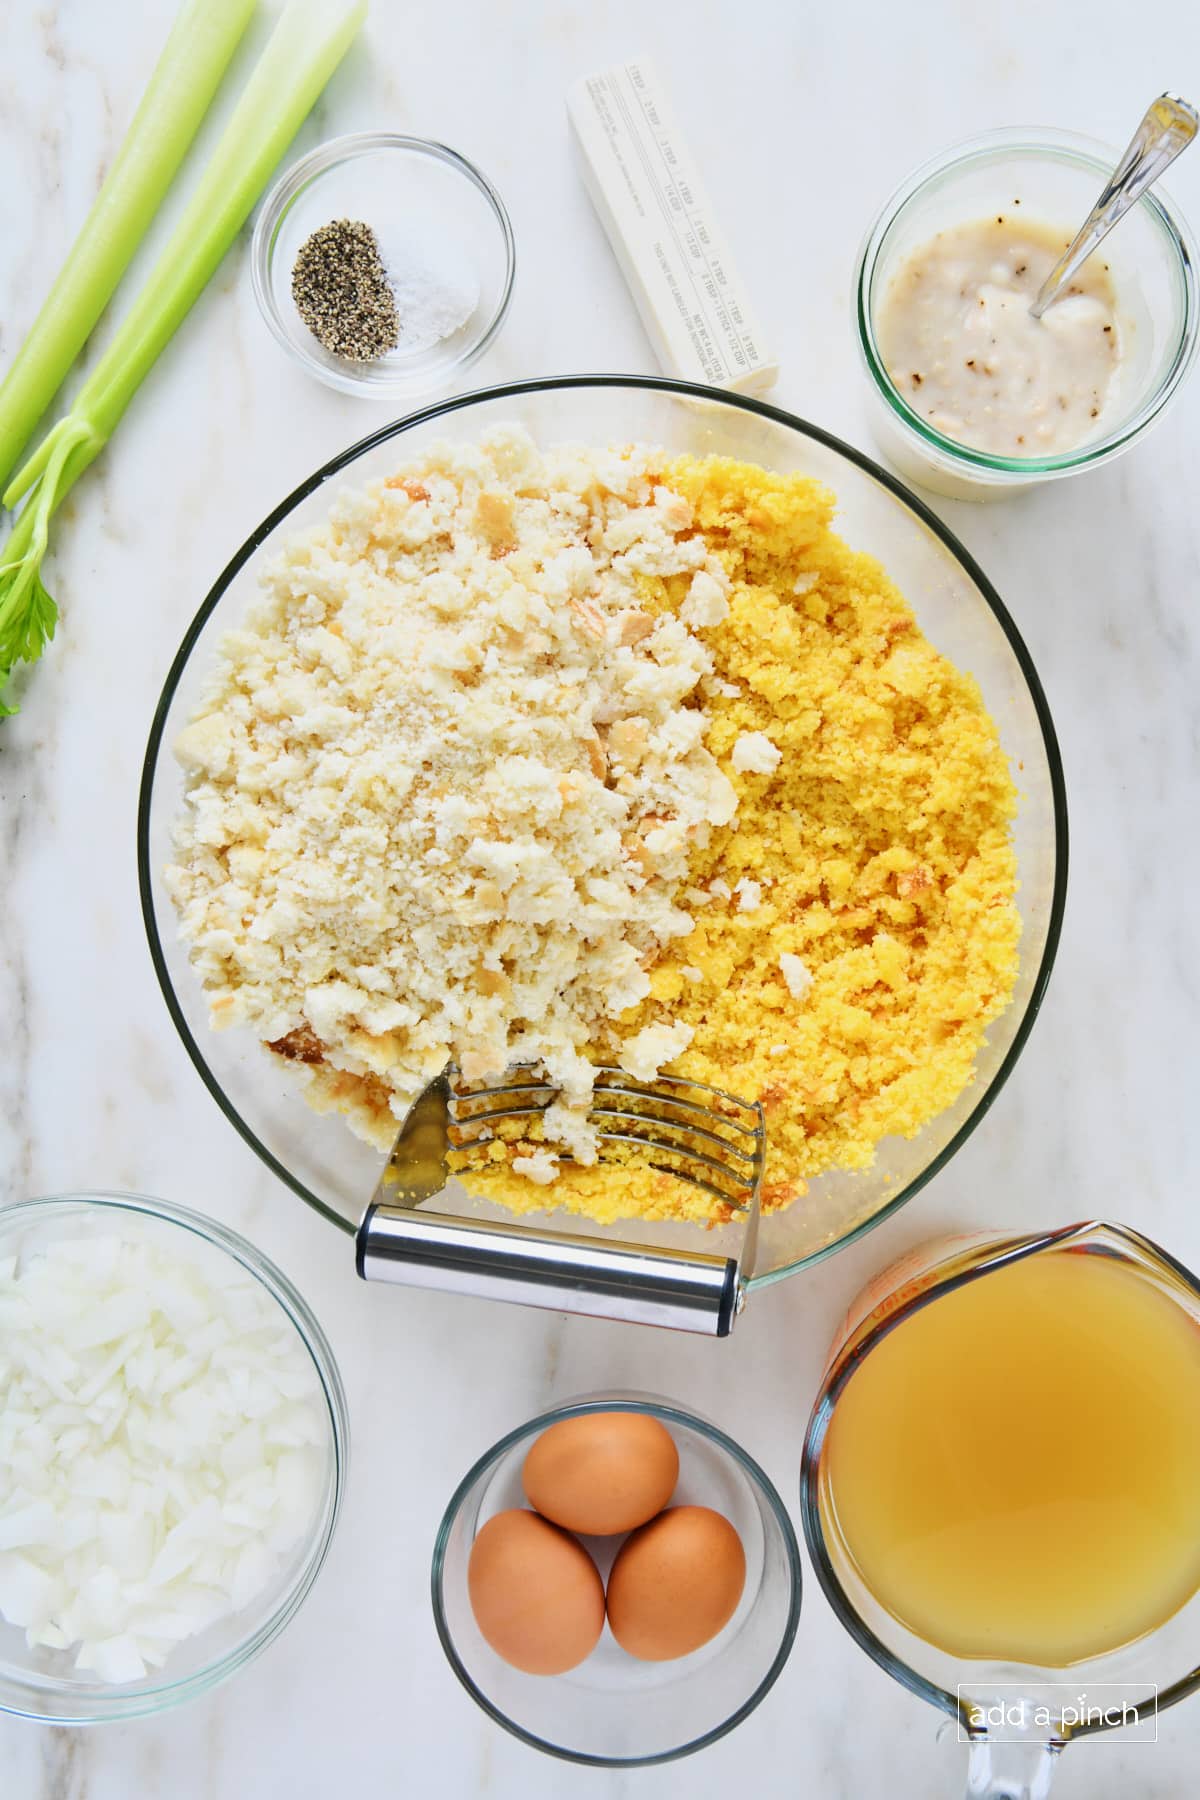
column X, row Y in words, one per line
column 961, row 345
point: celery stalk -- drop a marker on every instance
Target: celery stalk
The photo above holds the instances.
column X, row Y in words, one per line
column 306, row 46
column 186, row 77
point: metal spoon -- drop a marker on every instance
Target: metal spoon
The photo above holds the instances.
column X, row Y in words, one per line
column 1169, row 126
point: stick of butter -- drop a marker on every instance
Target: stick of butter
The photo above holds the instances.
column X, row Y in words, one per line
column 642, row 180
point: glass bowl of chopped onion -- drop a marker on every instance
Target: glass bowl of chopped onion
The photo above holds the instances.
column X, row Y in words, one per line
column 315, row 1152
column 173, row 1442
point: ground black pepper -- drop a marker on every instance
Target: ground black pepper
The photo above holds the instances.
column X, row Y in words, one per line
column 342, row 292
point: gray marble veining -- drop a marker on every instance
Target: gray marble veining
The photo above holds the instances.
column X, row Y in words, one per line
column 1102, row 575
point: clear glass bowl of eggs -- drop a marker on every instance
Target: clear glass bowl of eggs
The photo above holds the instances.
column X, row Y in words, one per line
column 616, row 1582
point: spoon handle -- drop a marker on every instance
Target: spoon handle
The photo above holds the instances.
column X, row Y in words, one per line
column 1169, row 126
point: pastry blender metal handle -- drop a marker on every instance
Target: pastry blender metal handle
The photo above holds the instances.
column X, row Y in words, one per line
column 557, row 1270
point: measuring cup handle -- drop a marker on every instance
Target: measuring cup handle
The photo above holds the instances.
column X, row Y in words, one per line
column 1010, row 1771
column 557, row 1270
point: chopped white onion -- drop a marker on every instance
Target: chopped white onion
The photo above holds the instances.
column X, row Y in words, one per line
column 162, row 1447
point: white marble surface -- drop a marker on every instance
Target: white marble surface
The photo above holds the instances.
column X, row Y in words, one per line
column 801, row 122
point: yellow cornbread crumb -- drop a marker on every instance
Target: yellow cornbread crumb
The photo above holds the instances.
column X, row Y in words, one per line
column 879, row 847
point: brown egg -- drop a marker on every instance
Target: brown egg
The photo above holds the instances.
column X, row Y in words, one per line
column 602, row 1472
column 675, row 1583
column 536, row 1594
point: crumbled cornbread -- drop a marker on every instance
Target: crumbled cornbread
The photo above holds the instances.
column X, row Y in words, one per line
column 853, row 998
column 465, row 782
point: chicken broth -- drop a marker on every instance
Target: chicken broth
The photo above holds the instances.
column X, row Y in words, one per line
column 1014, row 1469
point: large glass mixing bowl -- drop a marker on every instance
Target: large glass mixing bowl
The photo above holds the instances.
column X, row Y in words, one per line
column 960, row 612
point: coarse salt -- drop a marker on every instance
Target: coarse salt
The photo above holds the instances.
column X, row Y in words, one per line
column 431, row 273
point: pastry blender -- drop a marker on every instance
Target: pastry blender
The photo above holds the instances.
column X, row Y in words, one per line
column 685, row 1128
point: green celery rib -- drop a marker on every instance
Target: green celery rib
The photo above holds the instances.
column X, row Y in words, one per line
column 305, row 48
column 178, row 95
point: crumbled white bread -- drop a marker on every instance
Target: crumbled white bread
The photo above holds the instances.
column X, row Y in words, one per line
column 805, row 581
column 540, row 1166
column 705, row 603
column 644, row 1054
column 445, row 783
column 749, row 894
column 755, row 754
column 720, row 888
column 796, row 975
column 569, row 1126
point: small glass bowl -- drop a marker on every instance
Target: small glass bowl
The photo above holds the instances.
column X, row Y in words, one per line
column 1057, row 177
column 43, row 1684
column 421, row 199
column 614, row 1711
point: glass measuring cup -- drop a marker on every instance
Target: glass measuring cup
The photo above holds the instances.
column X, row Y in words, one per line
column 1016, row 1718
